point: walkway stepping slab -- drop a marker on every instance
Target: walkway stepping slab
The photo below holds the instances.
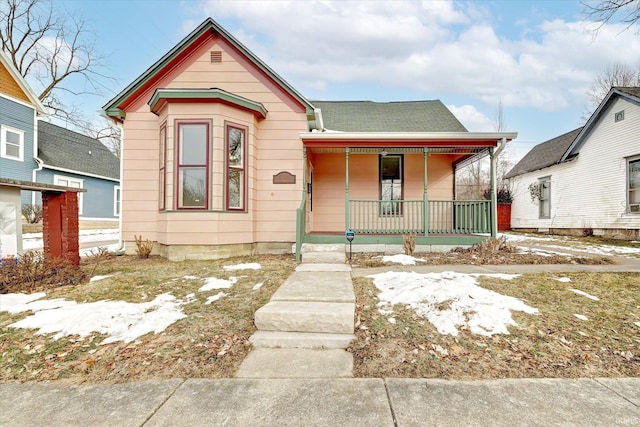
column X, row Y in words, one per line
column 278, row 339
column 328, row 286
column 294, row 316
column 324, row 257
column 296, row 363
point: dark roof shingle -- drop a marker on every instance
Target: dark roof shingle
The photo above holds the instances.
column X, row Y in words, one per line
column 544, row 154
column 369, row 116
column 63, row 148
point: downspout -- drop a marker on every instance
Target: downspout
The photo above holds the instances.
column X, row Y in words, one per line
column 120, row 249
column 39, row 162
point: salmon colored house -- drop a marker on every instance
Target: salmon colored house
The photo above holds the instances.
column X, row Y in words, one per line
column 222, row 157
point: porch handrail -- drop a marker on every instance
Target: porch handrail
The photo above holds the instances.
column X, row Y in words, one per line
column 408, row 216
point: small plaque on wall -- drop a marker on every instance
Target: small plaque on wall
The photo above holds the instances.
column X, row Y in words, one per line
column 284, row 177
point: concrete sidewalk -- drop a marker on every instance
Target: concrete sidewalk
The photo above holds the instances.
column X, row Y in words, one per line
column 325, row 402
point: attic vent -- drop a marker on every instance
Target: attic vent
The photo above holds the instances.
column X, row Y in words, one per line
column 216, row 56
column 619, row 116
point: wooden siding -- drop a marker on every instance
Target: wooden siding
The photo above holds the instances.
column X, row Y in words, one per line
column 273, row 146
column 19, row 116
column 590, row 191
column 10, row 86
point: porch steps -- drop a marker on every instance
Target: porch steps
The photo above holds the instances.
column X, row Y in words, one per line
column 304, row 329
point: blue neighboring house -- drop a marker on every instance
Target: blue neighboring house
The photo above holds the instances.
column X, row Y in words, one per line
column 19, row 112
column 34, row 150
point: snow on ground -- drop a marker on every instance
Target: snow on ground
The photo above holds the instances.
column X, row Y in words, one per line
column 581, row 316
column 120, row 320
column 541, row 252
column 637, row 324
column 563, row 279
column 215, row 297
column 569, row 244
column 34, row 240
column 257, row 286
column 401, row 259
column 584, row 294
column 247, row 266
column 98, row 278
column 211, row 283
column 450, row 300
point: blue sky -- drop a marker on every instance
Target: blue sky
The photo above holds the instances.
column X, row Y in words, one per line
column 537, row 58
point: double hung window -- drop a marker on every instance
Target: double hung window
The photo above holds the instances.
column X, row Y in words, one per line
column 391, row 184
column 545, row 197
column 633, row 185
column 236, row 164
column 11, row 143
column 193, row 165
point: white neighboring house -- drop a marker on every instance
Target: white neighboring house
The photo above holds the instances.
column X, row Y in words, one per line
column 587, row 180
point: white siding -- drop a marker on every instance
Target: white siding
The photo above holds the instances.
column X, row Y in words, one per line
column 590, row 191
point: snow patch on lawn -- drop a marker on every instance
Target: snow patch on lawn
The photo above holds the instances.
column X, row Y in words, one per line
column 401, row 259
column 211, row 283
column 119, row 320
column 257, row 286
column 581, row 316
column 563, row 279
column 215, row 297
column 450, row 300
column 97, row 278
column 584, row 294
column 247, row 266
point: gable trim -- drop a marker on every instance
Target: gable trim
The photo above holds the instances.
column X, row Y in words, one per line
column 579, row 141
column 17, row 77
column 162, row 96
column 113, row 107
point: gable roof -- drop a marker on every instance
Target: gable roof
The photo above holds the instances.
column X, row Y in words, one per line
column 209, row 26
column 368, row 116
column 545, row 154
column 566, row 147
column 631, row 94
column 61, row 148
column 22, row 85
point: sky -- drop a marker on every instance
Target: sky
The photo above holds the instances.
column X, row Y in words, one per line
column 535, row 58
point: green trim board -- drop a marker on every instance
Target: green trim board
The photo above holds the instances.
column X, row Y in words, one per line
column 214, row 94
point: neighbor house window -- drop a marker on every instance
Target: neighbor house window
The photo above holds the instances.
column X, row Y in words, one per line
column 391, row 186
column 633, row 184
column 163, row 169
column 236, row 164
column 545, row 197
column 116, row 201
column 193, row 165
column 12, row 143
column 66, row 181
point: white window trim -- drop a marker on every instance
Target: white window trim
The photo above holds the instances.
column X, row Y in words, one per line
column 628, row 178
column 117, row 201
column 70, row 179
column 3, row 143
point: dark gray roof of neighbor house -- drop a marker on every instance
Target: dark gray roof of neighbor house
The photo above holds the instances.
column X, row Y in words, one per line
column 633, row 91
column 369, row 116
column 544, row 154
column 62, row 148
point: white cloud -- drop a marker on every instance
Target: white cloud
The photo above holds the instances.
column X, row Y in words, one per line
column 472, row 119
column 444, row 48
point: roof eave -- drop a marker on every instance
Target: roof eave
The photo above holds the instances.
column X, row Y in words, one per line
column 408, row 136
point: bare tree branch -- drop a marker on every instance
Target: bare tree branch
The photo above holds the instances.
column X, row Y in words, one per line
column 616, row 74
column 606, row 11
column 53, row 49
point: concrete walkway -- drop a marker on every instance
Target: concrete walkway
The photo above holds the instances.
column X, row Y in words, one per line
column 325, row 402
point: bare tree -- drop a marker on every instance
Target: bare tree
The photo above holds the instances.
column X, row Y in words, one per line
column 52, row 50
column 616, row 74
column 605, row 11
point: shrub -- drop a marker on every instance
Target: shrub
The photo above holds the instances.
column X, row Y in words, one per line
column 33, row 271
column 503, row 195
column 32, row 213
column 143, row 249
column 409, row 243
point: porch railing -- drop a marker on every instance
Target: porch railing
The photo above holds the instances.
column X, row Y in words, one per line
column 407, row 216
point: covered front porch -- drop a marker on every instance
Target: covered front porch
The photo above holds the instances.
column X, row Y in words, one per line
column 383, row 187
